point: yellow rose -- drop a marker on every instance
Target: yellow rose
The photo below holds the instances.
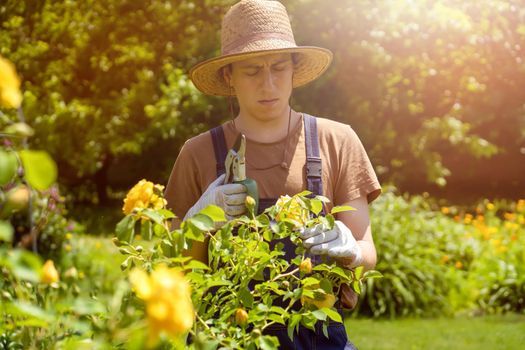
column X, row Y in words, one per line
column 167, row 296
column 144, row 195
column 291, row 208
column 49, row 273
column 10, row 95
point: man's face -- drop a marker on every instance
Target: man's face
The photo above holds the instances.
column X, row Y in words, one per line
column 263, row 85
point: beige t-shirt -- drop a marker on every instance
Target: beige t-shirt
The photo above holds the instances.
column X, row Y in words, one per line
column 347, row 171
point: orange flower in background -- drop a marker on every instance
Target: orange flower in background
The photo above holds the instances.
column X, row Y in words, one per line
column 290, row 208
column 468, row 219
column 445, row 210
column 445, row 259
column 144, row 195
column 10, row 95
column 509, row 216
column 458, row 264
column 167, row 295
column 49, row 273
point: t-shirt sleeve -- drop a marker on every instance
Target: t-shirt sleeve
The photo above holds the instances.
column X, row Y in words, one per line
column 183, row 189
column 356, row 176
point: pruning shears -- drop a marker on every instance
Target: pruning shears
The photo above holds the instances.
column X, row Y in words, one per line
column 235, row 166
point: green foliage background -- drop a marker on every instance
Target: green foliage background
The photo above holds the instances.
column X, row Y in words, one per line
column 433, row 88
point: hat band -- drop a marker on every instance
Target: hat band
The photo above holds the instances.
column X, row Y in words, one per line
column 231, row 47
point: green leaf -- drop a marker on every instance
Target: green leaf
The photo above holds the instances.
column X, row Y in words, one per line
column 277, row 318
column 341, row 208
column 372, row 274
column 319, row 314
column 294, row 323
column 202, row 222
column 359, row 272
column 28, row 310
column 196, row 264
column 192, row 232
column 322, row 199
column 317, row 206
column 19, row 129
column 268, row 342
column 125, row 229
column 332, row 314
column 6, row 231
column 25, row 265
column 356, row 286
column 326, row 285
column 8, row 166
column 153, row 215
column 214, row 212
column 85, row 306
column 166, row 213
column 39, row 168
column 303, row 194
column 340, row 272
column 146, row 230
column 308, row 281
column 246, row 297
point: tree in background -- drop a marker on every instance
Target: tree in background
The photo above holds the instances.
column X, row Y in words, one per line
column 106, row 80
column 434, row 88
column 431, row 86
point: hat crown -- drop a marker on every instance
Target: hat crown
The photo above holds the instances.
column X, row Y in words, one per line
column 250, row 21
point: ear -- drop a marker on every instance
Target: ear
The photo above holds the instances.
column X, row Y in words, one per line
column 227, row 75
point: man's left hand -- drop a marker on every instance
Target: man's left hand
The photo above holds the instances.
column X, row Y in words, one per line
column 338, row 243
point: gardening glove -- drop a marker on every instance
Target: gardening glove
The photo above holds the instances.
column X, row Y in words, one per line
column 338, row 242
column 229, row 197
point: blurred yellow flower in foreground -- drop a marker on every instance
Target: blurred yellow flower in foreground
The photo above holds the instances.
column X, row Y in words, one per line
column 144, row 195
column 291, row 208
column 10, row 95
column 445, row 210
column 168, row 301
column 49, row 272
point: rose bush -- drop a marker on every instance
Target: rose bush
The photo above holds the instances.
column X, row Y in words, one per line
column 247, row 285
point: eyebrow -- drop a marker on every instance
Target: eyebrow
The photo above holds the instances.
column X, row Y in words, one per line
column 255, row 65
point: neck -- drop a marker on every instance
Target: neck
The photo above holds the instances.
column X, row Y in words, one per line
column 266, row 131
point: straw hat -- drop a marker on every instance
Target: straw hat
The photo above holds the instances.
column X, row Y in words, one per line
column 254, row 28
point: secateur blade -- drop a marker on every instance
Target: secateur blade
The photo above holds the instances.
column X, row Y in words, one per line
column 235, row 161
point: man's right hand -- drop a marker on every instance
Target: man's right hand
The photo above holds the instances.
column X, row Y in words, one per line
column 229, row 197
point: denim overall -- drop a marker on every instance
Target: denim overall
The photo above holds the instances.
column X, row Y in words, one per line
column 304, row 338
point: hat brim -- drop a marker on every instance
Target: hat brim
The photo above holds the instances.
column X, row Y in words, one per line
column 312, row 62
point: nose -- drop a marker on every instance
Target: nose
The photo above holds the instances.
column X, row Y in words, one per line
column 268, row 80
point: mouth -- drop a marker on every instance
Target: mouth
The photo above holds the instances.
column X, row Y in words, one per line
column 268, row 102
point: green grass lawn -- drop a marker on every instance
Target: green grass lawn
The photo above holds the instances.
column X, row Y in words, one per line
column 488, row 332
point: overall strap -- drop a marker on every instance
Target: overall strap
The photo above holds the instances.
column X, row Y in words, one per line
column 220, row 149
column 314, row 172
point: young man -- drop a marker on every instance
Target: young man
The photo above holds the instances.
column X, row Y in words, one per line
column 286, row 151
